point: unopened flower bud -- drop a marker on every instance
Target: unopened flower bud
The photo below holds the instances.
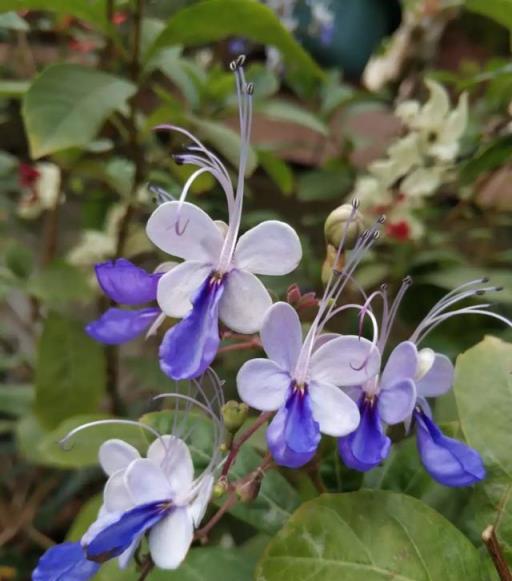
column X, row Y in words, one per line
column 248, row 491
column 220, row 488
column 338, row 220
column 234, row 414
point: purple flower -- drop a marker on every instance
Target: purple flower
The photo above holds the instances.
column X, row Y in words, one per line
column 158, row 496
column 65, row 562
column 302, row 382
column 124, row 283
column 217, row 279
column 388, row 399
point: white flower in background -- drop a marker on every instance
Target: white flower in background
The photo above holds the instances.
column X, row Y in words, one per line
column 42, row 191
column 421, row 182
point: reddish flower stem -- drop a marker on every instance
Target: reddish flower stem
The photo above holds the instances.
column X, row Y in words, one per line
column 238, row 443
column 496, row 552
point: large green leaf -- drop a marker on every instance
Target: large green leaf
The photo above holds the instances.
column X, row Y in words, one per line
column 499, row 10
column 16, row 399
column 281, row 110
column 483, row 391
column 369, row 536
column 214, row 20
column 59, row 283
column 67, row 104
column 93, row 11
column 70, row 372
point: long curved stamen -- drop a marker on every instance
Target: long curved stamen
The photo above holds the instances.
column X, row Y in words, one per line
column 64, row 441
column 244, row 93
column 389, row 315
column 334, row 288
column 161, row 196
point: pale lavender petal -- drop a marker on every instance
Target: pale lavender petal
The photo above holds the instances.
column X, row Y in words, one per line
column 245, row 302
column 438, row 380
column 184, row 230
column 368, row 445
column 396, row 403
column 199, row 505
column 347, row 360
column 126, row 283
column 173, row 457
column 178, row 286
column 170, row 539
column 402, row 364
column 448, row 461
column 336, row 413
column 116, row 497
column 190, row 346
column 271, row 248
column 146, row 482
column 115, row 455
column 262, row 384
column 118, row 326
column 281, row 335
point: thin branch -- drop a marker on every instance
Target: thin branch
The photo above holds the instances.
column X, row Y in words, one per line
column 496, row 552
column 237, row 444
column 146, row 569
column 202, row 533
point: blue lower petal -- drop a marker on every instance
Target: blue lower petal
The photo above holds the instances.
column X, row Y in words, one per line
column 65, row 562
column 448, row 461
column 118, row 326
column 293, row 435
column 114, row 539
column 368, row 445
column 126, row 283
column 190, row 346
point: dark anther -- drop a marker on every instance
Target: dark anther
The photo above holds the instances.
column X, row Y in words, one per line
column 480, row 292
column 249, row 88
column 178, row 159
column 384, row 287
column 376, row 235
column 407, row 280
column 498, row 289
column 484, row 280
column 240, row 60
column 381, row 219
column 233, row 66
column 355, row 204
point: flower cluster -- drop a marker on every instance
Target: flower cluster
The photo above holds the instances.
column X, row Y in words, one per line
column 416, row 165
column 317, row 382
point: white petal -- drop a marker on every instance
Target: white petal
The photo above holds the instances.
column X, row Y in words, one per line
column 146, row 482
column 170, row 539
column 438, row 380
column 173, row 457
column 402, row 364
column 115, row 455
column 281, row 335
column 177, row 287
column 115, row 494
column 334, row 410
column 200, row 504
column 184, row 230
column 347, row 360
column 124, row 558
column 272, row 247
column 262, row 384
column 245, row 302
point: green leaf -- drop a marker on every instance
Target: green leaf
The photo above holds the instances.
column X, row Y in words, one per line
column 280, row 110
column 82, row 449
column 457, row 275
column 15, row 400
column 483, row 391
column 369, row 536
column 498, row 10
column 324, row 184
column 67, row 104
column 93, row 11
column 19, row 260
column 276, row 500
column 60, row 283
column 211, row 564
column 85, row 518
column 225, row 141
column 214, row 20
column 70, row 371
column 278, row 170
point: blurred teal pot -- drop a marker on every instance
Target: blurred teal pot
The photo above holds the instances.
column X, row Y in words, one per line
column 357, row 29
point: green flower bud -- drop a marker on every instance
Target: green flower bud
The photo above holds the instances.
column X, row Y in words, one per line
column 220, row 488
column 336, row 223
column 234, row 414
